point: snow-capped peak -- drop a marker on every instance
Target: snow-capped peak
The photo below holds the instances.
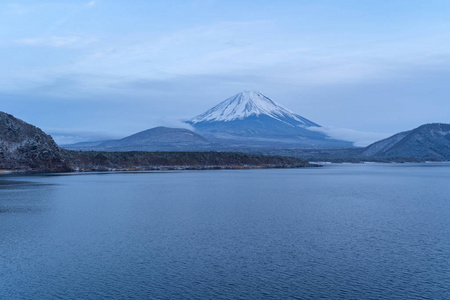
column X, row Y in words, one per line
column 248, row 104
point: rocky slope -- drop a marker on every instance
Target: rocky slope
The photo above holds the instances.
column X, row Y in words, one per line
column 26, row 147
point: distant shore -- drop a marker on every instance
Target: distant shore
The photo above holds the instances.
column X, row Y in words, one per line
column 166, row 168
column 214, row 167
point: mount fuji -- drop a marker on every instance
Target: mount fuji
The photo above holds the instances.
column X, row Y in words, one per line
column 248, row 121
column 247, row 104
column 251, row 119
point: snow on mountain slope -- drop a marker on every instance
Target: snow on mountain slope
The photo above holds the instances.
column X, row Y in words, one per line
column 247, row 104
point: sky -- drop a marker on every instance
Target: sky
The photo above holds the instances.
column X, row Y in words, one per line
column 93, row 70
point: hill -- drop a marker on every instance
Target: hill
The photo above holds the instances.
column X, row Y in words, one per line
column 427, row 142
column 154, row 139
column 135, row 160
column 26, row 147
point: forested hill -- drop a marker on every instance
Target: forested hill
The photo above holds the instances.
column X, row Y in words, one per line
column 101, row 161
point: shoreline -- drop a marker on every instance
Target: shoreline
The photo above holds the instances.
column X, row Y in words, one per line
column 164, row 168
column 317, row 164
column 7, row 172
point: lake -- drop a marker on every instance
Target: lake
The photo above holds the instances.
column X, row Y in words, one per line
column 350, row 231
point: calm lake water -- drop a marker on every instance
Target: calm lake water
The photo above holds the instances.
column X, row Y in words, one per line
column 338, row 232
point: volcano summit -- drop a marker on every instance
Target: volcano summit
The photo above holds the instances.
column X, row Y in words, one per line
column 247, row 104
column 253, row 119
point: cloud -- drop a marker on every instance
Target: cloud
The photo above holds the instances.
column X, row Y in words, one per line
column 176, row 123
column 359, row 138
column 92, row 3
column 55, row 41
column 65, row 136
column 237, row 49
column 17, row 9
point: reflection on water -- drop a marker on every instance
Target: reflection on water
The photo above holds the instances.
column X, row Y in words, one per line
column 347, row 232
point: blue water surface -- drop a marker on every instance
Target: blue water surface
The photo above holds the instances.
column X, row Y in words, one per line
column 378, row 231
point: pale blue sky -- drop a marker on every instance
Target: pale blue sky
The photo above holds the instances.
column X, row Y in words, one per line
column 84, row 70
